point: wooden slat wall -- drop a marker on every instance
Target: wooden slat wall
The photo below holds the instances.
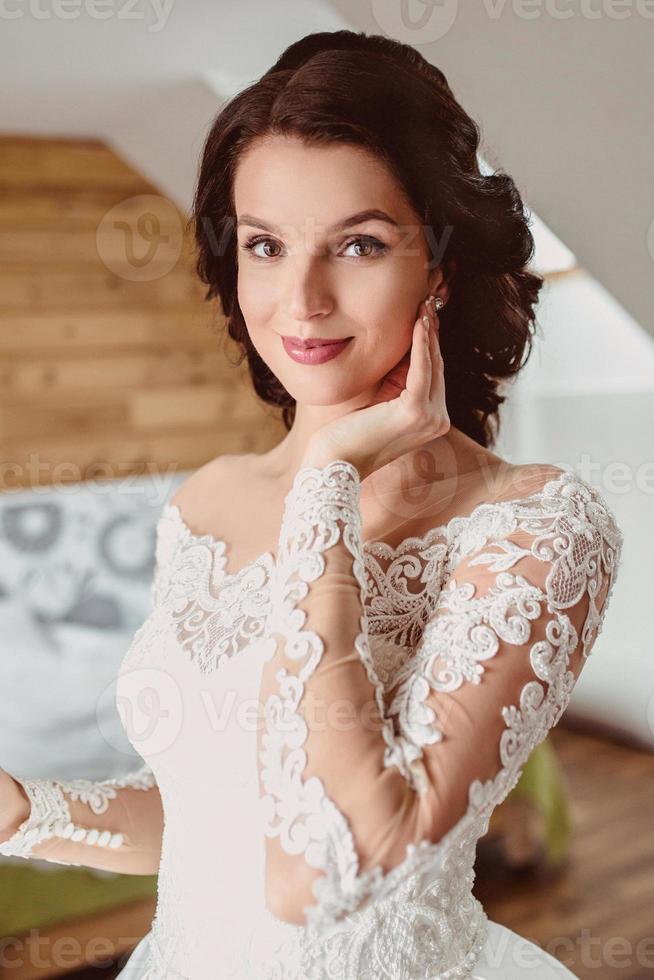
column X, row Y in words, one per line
column 102, row 374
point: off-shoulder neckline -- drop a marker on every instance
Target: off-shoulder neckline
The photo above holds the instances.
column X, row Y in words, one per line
column 172, row 512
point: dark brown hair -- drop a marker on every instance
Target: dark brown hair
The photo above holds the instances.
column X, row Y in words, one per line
column 374, row 92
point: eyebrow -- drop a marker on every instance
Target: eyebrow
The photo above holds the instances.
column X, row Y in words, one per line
column 372, row 214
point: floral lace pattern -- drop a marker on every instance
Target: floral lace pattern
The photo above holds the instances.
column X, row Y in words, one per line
column 579, row 541
column 423, row 629
column 50, row 810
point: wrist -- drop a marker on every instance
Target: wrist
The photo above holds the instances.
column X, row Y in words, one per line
column 320, row 456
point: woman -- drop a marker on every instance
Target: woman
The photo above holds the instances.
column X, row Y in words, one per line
column 406, row 612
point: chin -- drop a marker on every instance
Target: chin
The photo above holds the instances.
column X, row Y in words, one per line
column 323, row 393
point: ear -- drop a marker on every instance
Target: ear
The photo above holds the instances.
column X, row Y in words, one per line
column 440, row 280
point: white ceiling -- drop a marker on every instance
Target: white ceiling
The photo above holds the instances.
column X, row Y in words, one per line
column 564, row 102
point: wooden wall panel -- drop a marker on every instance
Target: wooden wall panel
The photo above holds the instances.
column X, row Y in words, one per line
column 103, row 372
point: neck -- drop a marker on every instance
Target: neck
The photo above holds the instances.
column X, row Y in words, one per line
column 286, row 457
column 444, row 460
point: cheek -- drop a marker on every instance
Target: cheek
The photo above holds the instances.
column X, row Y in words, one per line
column 259, row 311
column 253, row 296
column 388, row 335
column 389, row 351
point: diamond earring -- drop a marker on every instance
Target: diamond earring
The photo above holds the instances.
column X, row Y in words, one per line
column 438, row 302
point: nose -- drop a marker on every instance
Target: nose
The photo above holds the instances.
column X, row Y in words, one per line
column 306, row 294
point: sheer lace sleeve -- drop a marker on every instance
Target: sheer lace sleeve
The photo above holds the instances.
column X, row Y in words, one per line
column 113, row 824
column 355, row 778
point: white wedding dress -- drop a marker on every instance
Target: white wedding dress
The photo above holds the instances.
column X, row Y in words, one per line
column 327, row 730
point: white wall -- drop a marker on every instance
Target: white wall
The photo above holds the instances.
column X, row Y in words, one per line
column 585, row 401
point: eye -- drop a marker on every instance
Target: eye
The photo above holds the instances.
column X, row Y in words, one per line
column 370, row 242
column 373, row 245
column 252, row 243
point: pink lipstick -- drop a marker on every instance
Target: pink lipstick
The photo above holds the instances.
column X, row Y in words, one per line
column 315, row 350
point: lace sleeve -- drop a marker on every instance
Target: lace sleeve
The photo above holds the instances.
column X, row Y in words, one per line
column 114, row 824
column 354, row 777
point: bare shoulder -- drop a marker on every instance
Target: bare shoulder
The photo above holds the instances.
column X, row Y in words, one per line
column 212, row 482
column 223, row 499
column 522, row 480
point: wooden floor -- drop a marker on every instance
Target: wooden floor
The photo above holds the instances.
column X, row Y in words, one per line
column 597, row 913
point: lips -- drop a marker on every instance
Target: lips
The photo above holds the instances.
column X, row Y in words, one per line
column 308, row 342
column 319, row 351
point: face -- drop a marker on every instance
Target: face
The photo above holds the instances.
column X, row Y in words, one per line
column 311, row 266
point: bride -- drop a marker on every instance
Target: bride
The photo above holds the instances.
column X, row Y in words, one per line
column 357, row 638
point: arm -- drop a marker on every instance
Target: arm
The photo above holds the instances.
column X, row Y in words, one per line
column 346, row 793
column 113, row 824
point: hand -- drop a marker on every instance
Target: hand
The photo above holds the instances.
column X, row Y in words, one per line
column 407, row 411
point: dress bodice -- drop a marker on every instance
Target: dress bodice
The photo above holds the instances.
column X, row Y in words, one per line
column 435, row 622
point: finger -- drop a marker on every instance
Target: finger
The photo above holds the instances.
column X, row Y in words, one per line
column 438, row 368
column 428, row 319
column 418, row 380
